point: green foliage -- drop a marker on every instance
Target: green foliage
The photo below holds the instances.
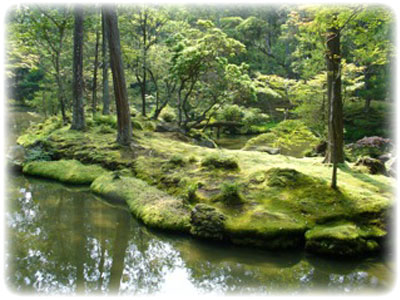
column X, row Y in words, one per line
column 38, row 153
column 168, row 114
column 358, row 124
column 291, row 136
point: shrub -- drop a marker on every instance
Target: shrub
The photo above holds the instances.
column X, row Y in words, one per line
column 168, row 114
column 38, row 153
column 291, row 136
column 220, row 161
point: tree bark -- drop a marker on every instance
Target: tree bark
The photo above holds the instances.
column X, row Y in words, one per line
column 121, row 96
column 78, row 114
column 96, row 64
column 335, row 153
column 106, row 92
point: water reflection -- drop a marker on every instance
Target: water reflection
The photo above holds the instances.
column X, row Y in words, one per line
column 64, row 240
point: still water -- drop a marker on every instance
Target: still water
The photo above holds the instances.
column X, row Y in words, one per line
column 64, row 240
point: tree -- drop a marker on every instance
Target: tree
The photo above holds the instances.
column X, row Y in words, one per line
column 106, row 93
column 145, row 26
column 95, row 67
column 124, row 136
column 48, row 29
column 78, row 113
column 206, row 80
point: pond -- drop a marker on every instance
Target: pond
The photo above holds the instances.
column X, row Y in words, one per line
column 65, row 240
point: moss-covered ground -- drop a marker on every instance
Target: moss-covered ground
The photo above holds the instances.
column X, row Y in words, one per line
column 273, row 201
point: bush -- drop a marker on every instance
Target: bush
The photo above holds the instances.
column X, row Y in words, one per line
column 220, row 161
column 38, row 153
column 292, row 137
column 168, row 114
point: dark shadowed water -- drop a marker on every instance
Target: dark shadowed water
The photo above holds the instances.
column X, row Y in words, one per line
column 65, row 240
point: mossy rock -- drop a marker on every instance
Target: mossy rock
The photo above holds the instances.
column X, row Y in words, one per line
column 286, row 177
column 343, row 239
column 373, row 166
column 154, row 207
column 207, row 222
column 67, row 171
column 220, row 161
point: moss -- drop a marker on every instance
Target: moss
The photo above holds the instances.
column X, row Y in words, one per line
column 230, row 194
column 279, row 204
column 220, row 161
column 207, row 222
column 278, row 177
column 268, row 229
column 154, row 207
column 68, row 171
column 343, row 238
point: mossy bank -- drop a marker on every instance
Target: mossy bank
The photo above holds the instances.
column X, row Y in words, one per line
column 245, row 197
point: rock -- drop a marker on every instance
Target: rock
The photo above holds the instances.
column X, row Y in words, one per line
column 207, row 222
column 164, row 127
column 385, row 157
column 15, row 158
column 392, row 167
column 374, row 166
column 321, row 147
column 269, row 150
column 205, row 143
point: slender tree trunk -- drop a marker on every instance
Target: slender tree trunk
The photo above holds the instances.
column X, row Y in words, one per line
column 96, row 64
column 121, row 96
column 106, row 93
column 335, row 152
column 78, row 114
column 60, row 91
column 367, row 77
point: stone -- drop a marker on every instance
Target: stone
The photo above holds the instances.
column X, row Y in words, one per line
column 15, row 158
column 374, row 166
column 207, row 222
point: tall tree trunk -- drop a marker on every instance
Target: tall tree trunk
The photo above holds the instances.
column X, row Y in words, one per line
column 121, row 96
column 78, row 114
column 335, row 152
column 106, row 93
column 96, row 64
column 144, row 66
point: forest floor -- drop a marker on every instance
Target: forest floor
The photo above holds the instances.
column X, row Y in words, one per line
column 245, row 197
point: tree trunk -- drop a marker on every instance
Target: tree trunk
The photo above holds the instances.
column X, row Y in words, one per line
column 367, row 77
column 106, row 93
column 78, row 114
column 121, row 96
column 144, row 66
column 335, row 152
column 96, row 63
